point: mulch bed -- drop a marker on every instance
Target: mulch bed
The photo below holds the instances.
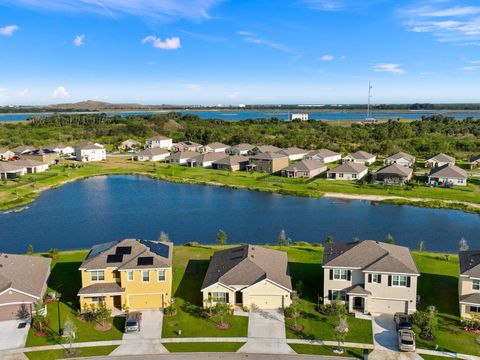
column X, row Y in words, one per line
column 41, row 333
column 296, row 328
column 100, row 327
column 223, row 326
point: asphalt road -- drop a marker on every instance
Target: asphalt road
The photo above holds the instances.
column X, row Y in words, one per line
column 216, row 356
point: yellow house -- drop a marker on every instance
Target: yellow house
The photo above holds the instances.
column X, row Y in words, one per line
column 130, row 273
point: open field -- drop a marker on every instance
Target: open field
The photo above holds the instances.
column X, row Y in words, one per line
column 25, row 190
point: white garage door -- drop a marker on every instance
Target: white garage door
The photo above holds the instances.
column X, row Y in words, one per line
column 387, row 306
column 267, row 301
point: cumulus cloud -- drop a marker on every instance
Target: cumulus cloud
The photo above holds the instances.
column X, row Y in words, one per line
column 390, row 68
column 327, row 57
column 79, row 40
column 60, row 93
column 172, row 43
column 8, row 30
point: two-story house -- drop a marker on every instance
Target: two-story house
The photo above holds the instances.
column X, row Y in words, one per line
column 87, row 151
column 469, row 283
column 131, row 273
column 371, row 277
column 159, row 141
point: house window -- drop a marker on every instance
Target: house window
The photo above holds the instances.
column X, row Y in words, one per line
column 219, row 297
column 399, row 280
column 97, row 275
column 130, row 275
column 475, row 309
column 340, row 175
column 460, row 181
column 376, row 278
column 146, row 276
column 161, row 275
column 339, row 295
column 340, row 274
column 354, row 176
column 476, row 284
column 98, row 299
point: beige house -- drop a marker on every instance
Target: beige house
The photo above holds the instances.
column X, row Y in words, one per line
column 181, row 157
column 400, row 158
column 231, row 163
column 240, row 149
column 371, row 277
column 205, row 160
column 293, row 153
column 264, row 149
column 32, row 166
column 159, row 141
column 305, row 169
column 394, row 174
column 129, row 145
column 151, row 154
column 6, row 154
column 474, row 161
column 186, row 146
column 249, row 276
column 267, row 162
column 215, row 147
column 469, row 283
column 41, row 155
column 324, row 155
column 348, row 171
column 9, row 171
column 22, row 149
column 439, row 160
column 448, row 175
column 88, row 152
column 61, row 149
column 23, row 281
column 360, row 157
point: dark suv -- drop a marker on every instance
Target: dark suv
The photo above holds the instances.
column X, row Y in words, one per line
column 402, row 321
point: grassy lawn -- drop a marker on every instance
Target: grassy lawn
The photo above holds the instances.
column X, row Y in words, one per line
column 325, row 350
column 60, row 354
column 65, row 279
column 203, row 347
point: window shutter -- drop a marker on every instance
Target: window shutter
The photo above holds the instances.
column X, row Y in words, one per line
column 331, row 274
column 349, row 275
column 329, row 294
column 209, row 294
column 227, row 298
column 389, row 280
column 408, row 281
column 369, row 278
column 379, row 277
column 346, row 298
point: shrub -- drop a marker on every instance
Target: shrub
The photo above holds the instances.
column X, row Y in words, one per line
column 471, row 324
column 329, row 309
column 427, row 321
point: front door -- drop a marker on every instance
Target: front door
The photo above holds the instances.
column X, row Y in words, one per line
column 117, row 302
column 239, row 298
column 358, row 303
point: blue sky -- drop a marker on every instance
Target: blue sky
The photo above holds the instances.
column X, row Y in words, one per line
column 239, row 51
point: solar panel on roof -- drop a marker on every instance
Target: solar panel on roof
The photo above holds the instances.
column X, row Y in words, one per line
column 114, row 258
column 123, row 250
column 100, row 248
column 156, row 247
column 145, row 261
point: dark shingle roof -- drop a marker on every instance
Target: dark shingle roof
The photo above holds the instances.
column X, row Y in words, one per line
column 449, row 171
column 349, row 167
column 232, row 160
column 441, row 158
column 470, row 298
column 401, row 155
column 361, row 155
column 268, row 156
column 396, row 169
column 153, row 152
column 306, row 165
column 469, row 263
column 101, row 288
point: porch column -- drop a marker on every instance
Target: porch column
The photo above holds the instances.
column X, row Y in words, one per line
column 351, row 300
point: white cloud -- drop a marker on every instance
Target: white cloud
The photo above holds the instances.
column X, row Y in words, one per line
column 79, row 40
column 245, row 33
column 60, row 93
column 172, row 43
column 327, row 57
column 8, row 30
column 156, row 9
column 390, row 68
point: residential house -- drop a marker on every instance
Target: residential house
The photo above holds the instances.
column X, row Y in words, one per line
column 448, row 175
column 23, row 282
column 324, row 155
column 264, row 149
column 298, row 116
column 370, row 276
column 32, row 166
column 10, row 171
column 205, row 160
column 231, row 163
column 240, row 149
column 250, row 276
column 293, row 153
column 360, row 157
column 22, row 149
column 469, row 283
column 130, row 145
column 6, row 154
column 41, row 155
column 474, row 161
column 151, row 154
column 394, row 174
column 215, row 147
column 186, row 146
column 131, row 273
column 439, row 160
column 400, row 158
column 159, row 141
column 61, row 149
column 347, row 171
column 181, row 157
column 267, row 162
column 305, row 169
column 87, row 152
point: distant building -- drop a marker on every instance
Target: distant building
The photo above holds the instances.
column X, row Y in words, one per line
column 181, row 157
column 360, row 157
column 293, row 153
column 439, row 160
column 448, row 175
column 215, row 147
column 394, row 174
column 400, row 158
column 151, row 154
column 129, row 145
column 298, row 116
column 240, row 149
column 186, row 146
column 6, row 154
column 231, row 163
column 268, row 162
column 348, row 171
column 324, row 155
column 159, row 141
column 305, row 169
column 87, row 152
column 61, row 149
column 205, row 160
column 22, row 149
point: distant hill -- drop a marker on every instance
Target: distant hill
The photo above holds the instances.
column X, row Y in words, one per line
column 92, row 105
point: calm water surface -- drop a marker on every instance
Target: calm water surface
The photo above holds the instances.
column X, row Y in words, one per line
column 108, row 208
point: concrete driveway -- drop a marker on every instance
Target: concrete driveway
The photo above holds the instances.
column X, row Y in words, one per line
column 147, row 340
column 11, row 337
column 266, row 333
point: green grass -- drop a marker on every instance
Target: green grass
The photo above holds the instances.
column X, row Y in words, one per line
column 60, row 354
column 325, row 350
column 216, row 347
column 65, row 279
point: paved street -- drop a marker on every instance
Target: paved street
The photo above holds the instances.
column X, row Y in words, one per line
column 11, row 337
column 216, row 356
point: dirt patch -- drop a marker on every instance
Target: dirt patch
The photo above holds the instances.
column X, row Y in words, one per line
column 101, row 327
column 223, row 326
column 296, row 328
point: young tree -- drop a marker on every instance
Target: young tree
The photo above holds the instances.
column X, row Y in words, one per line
column 103, row 313
column 164, row 237
column 427, row 321
column 222, row 309
column 421, row 246
column 209, row 304
column 295, row 310
column 222, row 237
column 282, row 239
column 299, row 287
column 30, row 249
column 39, row 315
column 341, row 330
column 463, row 244
column 53, row 253
column 69, row 330
column 329, row 239
column 390, row 239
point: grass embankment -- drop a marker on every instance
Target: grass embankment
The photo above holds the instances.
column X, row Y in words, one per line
column 326, row 351
column 25, row 190
column 61, row 354
column 217, row 347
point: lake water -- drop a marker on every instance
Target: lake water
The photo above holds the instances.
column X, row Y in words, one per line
column 108, row 208
column 242, row 115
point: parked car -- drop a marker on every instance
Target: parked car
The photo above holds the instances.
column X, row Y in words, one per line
column 132, row 322
column 402, row 321
column 406, row 340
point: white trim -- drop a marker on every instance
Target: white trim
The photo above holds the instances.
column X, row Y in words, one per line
column 143, row 281
column 267, row 280
column 164, row 275
column 393, row 299
column 102, row 294
column 140, row 269
column 19, row 291
column 341, row 267
column 133, row 275
column 218, row 284
column 16, row 303
column 390, row 273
